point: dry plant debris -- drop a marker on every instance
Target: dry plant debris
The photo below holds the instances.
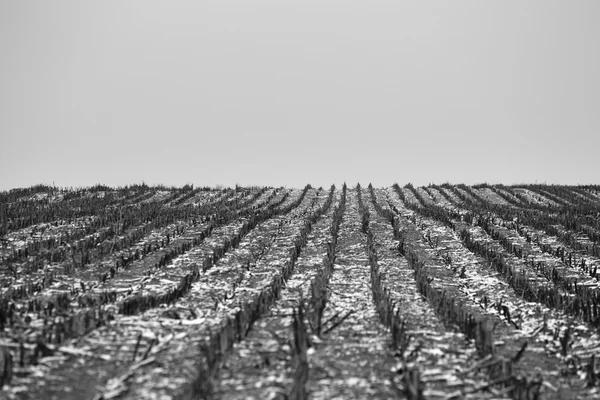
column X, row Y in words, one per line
column 437, row 292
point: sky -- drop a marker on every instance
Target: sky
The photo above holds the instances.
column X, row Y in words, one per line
column 290, row 92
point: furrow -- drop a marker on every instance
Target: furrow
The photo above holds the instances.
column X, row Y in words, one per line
column 49, row 329
column 548, row 334
column 149, row 332
column 262, row 365
column 88, row 285
column 354, row 359
column 442, row 356
column 227, row 302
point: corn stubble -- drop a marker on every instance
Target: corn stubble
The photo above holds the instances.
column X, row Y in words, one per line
column 484, row 291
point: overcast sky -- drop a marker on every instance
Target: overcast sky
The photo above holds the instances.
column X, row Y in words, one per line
column 292, row 92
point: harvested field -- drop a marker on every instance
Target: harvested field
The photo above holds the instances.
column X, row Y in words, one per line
column 438, row 292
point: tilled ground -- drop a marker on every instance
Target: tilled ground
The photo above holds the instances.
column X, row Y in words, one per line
column 264, row 293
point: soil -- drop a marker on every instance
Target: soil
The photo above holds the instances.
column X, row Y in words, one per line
column 439, row 292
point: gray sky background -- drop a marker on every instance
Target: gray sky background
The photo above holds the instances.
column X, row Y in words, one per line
column 294, row 92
